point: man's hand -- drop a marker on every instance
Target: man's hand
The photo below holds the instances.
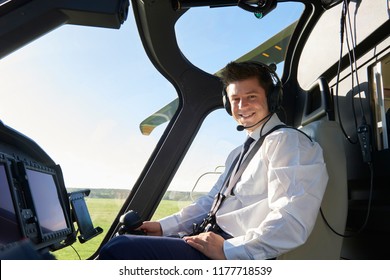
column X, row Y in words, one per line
column 208, row 243
column 151, row 228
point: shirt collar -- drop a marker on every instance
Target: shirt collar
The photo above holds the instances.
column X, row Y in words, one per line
column 268, row 125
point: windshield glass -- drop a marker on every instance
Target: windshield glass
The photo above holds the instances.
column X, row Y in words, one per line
column 82, row 93
column 231, row 33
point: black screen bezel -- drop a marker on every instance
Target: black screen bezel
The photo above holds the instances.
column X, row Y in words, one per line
column 82, row 216
column 6, row 162
column 47, row 238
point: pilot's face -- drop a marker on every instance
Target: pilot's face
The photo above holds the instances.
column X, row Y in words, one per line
column 248, row 102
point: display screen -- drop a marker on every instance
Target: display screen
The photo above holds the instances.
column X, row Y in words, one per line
column 9, row 228
column 82, row 215
column 83, row 219
column 47, row 204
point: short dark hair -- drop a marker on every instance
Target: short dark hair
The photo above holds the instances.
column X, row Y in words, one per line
column 238, row 71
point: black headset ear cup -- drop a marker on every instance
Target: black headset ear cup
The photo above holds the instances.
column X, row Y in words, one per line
column 275, row 95
column 226, row 102
column 274, row 98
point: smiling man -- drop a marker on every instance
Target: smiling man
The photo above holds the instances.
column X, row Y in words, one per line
column 263, row 205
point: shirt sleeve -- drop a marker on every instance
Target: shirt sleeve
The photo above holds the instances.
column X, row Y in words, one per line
column 195, row 213
column 296, row 181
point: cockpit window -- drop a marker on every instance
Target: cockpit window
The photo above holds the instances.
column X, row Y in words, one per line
column 81, row 93
column 211, row 37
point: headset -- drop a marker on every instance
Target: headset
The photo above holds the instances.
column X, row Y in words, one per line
column 274, row 95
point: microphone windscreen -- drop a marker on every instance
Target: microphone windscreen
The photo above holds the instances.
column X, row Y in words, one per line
column 240, row 127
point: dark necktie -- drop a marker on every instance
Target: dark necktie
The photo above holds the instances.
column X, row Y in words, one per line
column 247, row 144
column 220, row 197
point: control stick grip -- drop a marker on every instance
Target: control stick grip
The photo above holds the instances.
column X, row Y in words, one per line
column 130, row 221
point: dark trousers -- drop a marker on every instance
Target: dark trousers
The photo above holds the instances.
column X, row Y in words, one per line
column 142, row 247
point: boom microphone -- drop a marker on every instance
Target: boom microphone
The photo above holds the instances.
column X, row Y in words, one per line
column 241, row 127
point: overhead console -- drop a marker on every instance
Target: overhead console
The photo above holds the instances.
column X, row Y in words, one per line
column 259, row 8
column 34, row 203
column 22, row 21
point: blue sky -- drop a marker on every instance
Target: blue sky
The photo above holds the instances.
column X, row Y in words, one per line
column 81, row 92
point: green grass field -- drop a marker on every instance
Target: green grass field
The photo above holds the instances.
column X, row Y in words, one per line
column 103, row 212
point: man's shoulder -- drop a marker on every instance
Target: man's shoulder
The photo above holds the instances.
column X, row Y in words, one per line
column 286, row 131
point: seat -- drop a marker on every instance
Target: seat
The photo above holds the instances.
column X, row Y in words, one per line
column 323, row 243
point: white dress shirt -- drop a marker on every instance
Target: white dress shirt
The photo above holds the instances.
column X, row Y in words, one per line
column 275, row 203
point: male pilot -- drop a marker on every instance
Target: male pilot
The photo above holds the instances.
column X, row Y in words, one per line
column 271, row 206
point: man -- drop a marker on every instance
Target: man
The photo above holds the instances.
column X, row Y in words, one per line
column 255, row 212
